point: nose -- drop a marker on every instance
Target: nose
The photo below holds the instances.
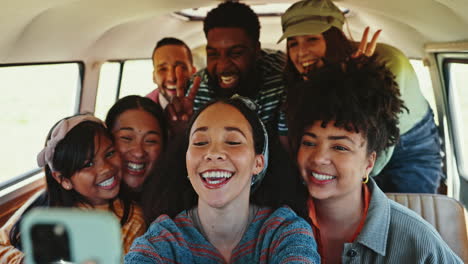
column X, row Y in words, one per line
column 320, row 156
column 171, row 75
column 223, row 64
column 215, row 152
column 138, row 150
column 108, row 168
column 302, row 50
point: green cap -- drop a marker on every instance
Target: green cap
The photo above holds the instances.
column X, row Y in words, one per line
column 310, row 17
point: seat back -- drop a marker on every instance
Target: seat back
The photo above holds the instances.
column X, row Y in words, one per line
column 446, row 214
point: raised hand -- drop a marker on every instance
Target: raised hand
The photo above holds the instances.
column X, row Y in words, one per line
column 367, row 49
column 180, row 109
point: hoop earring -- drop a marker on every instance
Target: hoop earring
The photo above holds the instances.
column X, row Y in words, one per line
column 365, row 180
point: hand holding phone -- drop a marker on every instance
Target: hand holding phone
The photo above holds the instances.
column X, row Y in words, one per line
column 70, row 235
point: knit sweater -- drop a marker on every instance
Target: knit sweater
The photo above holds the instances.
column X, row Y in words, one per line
column 278, row 236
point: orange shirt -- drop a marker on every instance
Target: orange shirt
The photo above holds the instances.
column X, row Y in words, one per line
column 135, row 225
column 316, row 228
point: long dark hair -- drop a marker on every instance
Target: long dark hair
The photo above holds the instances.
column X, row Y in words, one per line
column 133, row 102
column 70, row 156
column 170, row 192
column 338, row 49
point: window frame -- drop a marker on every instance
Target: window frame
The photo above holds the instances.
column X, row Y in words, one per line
column 445, row 60
column 78, row 96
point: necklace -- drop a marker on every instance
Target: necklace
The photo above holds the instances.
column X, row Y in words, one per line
column 193, row 214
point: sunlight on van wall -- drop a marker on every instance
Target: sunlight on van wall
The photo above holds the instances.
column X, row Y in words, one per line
column 425, row 84
column 34, row 97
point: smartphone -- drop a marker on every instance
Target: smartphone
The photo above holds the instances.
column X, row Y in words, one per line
column 70, row 235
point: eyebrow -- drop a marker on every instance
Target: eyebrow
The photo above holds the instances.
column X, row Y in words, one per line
column 177, row 63
column 230, row 48
column 331, row 137
column 200, row 129
column 132, row 129
column 235, row 129
column 229, row 128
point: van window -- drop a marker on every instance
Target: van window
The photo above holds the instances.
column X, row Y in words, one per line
column 119, row 79
column 34, row 98
column 107, row 93
column 458, row 107
column 137, row 78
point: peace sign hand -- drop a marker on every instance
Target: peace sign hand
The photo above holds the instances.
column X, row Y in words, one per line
column 180, row 109
column 367, row 49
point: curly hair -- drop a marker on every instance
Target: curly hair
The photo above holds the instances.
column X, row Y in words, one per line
column 234, row 15
column 358, row 95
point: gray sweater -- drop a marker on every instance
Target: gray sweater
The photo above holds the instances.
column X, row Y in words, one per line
column 393, row 233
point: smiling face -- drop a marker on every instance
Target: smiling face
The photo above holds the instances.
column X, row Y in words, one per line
column 306, row 52
column 333, row 161
column 99, row 179
column 138, row 139
column 221, row 158
column 165, row 61
column 231, row 56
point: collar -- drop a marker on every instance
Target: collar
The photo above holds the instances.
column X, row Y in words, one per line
column 316, row 227
column 374, row 234
column 162, row 100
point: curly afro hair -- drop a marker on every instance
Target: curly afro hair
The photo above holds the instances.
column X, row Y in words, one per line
column 358, row 95
column 233, row 15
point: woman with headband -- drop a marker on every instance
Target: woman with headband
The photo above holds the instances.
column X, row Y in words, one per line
column 313, row 31
column 216, row 201
column 82, row 169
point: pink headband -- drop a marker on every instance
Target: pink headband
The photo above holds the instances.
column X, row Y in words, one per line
column 46, row 156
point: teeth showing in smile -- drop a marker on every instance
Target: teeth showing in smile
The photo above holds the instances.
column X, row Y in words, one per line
column 136, row 166
column 228, row 79
column 308, row 63
column 322, row 177
column 171, row 87
column 215, row 177
column 107, row 182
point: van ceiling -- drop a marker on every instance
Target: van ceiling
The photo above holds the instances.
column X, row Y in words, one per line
column 96, row 30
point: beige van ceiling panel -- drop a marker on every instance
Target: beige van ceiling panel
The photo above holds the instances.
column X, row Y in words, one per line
column 63, row 30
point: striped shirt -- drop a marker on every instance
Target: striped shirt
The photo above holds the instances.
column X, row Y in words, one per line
column 270, row 95
column 393, row 233
column 278, row 236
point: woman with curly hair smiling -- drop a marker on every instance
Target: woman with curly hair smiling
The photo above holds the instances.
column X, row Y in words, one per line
column 344, row 115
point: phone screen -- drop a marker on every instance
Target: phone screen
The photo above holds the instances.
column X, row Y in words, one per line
column 50, row 243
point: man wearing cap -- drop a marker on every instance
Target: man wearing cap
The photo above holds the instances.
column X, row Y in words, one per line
column 313, row 29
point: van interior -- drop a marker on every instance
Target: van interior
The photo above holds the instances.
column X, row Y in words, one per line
column 60, row 57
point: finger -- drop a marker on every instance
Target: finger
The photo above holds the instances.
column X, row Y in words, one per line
column 194, row 89
column 171, row 112
column 371, row 47
column 177, row 105
column 180, row 83
column 363, row 44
